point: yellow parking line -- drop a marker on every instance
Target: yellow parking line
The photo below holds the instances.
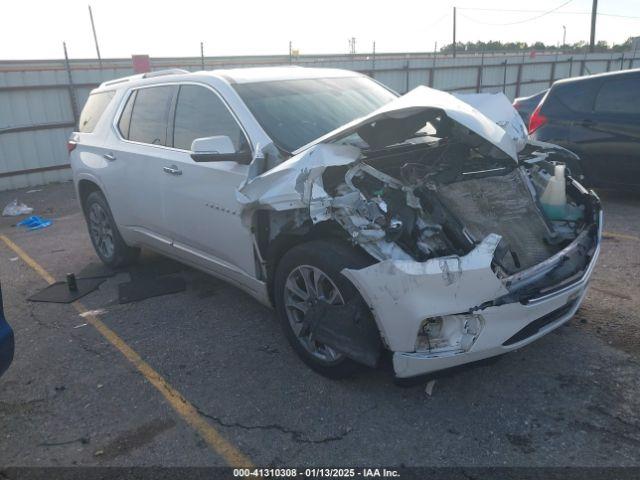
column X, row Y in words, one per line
column 186, row 410
column 622, row 236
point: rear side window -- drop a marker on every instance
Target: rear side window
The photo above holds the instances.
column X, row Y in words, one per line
column 125, row 118
column 93, row 110
column 620, row 95
column 149, row 116
column 577, row 96
column 201, row 113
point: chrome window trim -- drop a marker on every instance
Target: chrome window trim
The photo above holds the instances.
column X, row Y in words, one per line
column 129, row 92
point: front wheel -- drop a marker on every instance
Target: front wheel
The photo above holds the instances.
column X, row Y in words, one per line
column 106, row 239
column 309, row 273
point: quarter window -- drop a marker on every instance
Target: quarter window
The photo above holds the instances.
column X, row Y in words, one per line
column 619, row 96
column 93, row 110
column 149, row 115
column 201, row 113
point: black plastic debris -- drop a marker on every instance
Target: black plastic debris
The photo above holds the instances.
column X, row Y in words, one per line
column 347, row 328
column 142, row 287
column 68, row 291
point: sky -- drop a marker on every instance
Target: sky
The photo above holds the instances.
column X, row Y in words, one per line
column 35, row 29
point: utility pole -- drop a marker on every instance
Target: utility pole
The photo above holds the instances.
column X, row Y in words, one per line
column 594, row 14
column 564, row 35
column 352, row 45
column 435, row 53
column 95, row 37
column 72, row 93
column 454, row 32
column 202, row 54
column 373, row 60
column 290, row 52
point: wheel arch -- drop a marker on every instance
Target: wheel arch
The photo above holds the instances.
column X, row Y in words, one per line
column 286, row 240
column 85, row 188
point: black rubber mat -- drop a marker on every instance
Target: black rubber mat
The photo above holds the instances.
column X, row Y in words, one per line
column 98, row 270
column 154, row 267
column 146, row 287
column 59, row 292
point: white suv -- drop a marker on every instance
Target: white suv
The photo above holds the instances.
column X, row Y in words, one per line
column 371, row 222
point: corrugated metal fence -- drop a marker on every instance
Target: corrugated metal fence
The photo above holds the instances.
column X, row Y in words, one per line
column 40, row 100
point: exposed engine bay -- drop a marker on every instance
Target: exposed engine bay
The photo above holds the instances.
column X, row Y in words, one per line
column 431, row 200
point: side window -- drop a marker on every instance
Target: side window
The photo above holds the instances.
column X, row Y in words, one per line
column 150, row 114
column 125, row 118
column 93, row 110
column 201, row 113
column 621, row 95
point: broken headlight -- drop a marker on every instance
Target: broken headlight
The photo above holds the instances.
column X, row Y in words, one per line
column 449, row 333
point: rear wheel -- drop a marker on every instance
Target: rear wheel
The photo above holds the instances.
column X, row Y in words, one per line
column 309, row 273
column 106, row 239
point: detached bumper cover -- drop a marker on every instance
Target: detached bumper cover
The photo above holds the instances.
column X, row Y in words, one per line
column 512, row 313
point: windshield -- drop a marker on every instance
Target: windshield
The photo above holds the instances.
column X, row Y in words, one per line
column 296, row 112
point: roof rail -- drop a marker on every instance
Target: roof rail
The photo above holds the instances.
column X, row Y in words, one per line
column 168, row 71
column 157, row 73
column 116, row 81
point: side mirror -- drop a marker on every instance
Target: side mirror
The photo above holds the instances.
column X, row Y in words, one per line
column 217, row 149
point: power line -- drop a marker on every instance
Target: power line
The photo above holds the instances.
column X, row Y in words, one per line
column 438, row 20
column 502, row 10
column 525, row 20
column 611, row 15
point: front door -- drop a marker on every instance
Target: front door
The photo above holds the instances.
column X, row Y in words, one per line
column 201, row 209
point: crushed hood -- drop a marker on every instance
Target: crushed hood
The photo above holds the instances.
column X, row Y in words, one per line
column 425, row 99
column 498, row 108
column 295, row 182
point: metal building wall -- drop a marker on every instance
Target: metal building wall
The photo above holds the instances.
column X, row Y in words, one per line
column 37, row 112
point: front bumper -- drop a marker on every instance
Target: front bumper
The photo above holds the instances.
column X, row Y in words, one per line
column 402, row 294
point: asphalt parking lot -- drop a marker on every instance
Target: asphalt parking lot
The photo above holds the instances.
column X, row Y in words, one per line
column 205, row 377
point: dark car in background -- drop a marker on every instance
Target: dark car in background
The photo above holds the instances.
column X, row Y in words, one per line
column 6, row 340
column 598, row 118
column 526, row 105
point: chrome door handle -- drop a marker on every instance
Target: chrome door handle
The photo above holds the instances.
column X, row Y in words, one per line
column 173, row 170
column 109, row 156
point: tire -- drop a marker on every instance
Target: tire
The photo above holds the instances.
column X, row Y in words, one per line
column 104, row 234
column 329, row 258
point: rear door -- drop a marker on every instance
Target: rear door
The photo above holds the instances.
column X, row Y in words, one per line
column 138, row 157
column 569, row 108
column 615, row 142
column 202, row 213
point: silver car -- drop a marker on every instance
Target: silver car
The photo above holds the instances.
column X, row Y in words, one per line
column 372, row 223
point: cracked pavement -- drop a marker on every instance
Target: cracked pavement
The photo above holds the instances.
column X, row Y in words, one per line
column 571, row 398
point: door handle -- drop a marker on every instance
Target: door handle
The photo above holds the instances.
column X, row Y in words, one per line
column 173, row 170
column 109, row 156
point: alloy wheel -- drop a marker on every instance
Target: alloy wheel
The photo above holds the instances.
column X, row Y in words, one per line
column 101, row 231
column 305, row 286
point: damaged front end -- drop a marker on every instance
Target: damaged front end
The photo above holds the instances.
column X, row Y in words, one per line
column 468, row 254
